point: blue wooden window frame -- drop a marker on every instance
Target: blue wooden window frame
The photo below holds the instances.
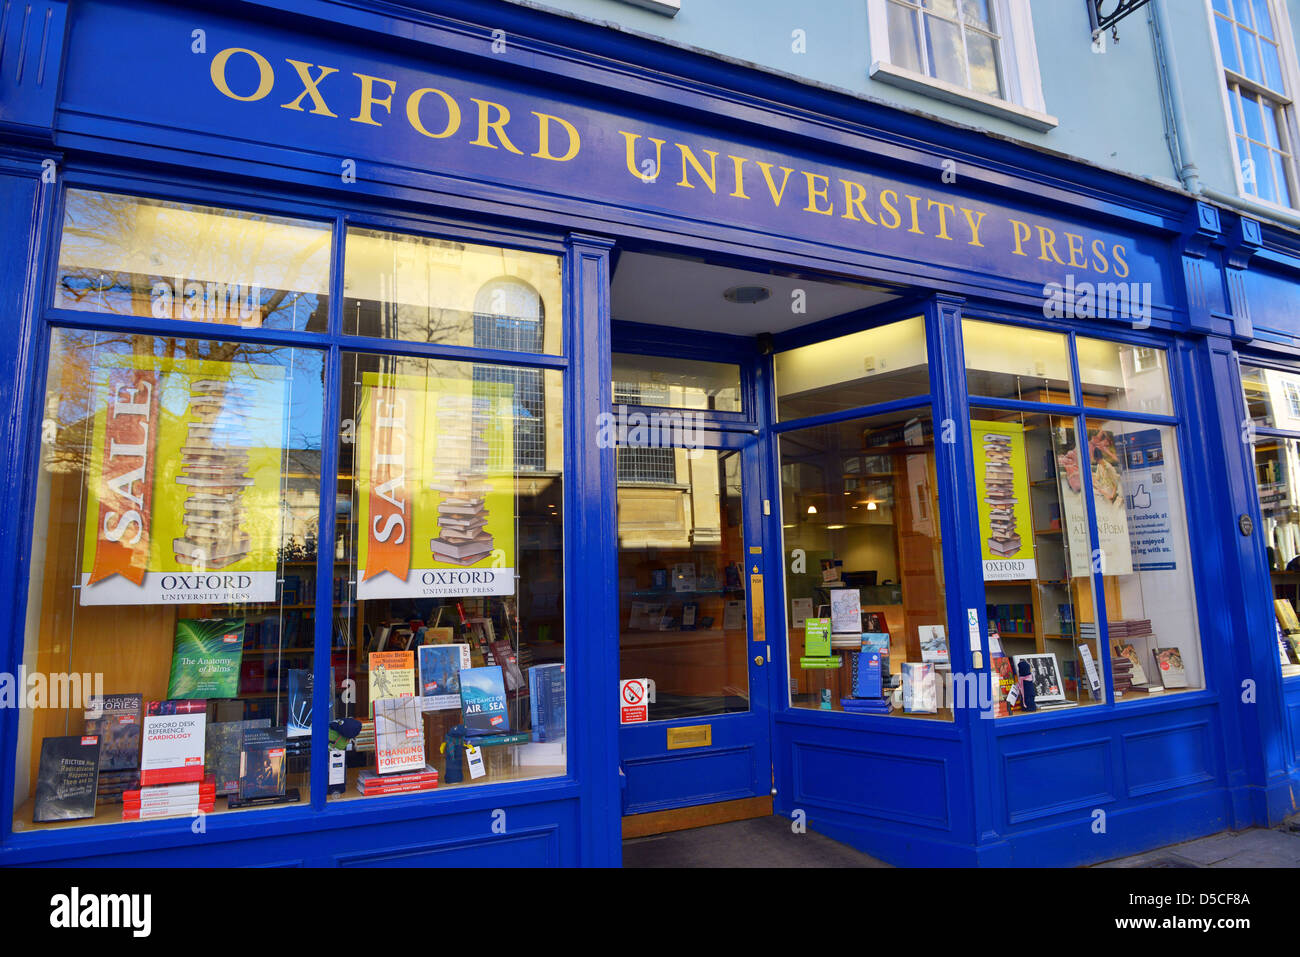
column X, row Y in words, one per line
column 331, row 343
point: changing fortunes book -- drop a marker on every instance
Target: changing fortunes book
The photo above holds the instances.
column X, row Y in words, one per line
column 206, row 657
column 399, row 735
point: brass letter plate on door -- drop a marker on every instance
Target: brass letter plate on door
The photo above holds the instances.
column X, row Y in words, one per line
column 690, row 736
column 756, row 607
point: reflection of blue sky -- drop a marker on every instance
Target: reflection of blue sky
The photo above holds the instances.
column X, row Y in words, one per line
column 278, row 401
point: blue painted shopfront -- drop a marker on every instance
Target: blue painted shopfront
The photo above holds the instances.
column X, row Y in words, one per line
column 558, row 137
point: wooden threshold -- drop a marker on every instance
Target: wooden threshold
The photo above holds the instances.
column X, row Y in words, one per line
column 701, row 815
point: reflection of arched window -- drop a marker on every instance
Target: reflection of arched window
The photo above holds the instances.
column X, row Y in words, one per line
column 508, row 314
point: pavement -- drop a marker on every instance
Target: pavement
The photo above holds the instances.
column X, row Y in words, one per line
column 772, row 842
column 760, row 842
column 1258, row 847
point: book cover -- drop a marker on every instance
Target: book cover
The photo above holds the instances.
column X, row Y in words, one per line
column 206, row 656
column 817, row 637
column 934, row 644
column 1169, row 666
column 483, row 699
column 440, row 667
column 67, row 778
column 504, row 655
column 222, row 743
column 920, row 693
column 1126, row 651
column 399, row 735
column 172, row 744
column 547, row 701
column 115, row 719
column 866, row 678
column 801, row 610
column 263, row 759
column 846, row 611
column 392, row 675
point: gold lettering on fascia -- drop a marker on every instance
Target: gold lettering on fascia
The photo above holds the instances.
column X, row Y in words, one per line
column 321, row 90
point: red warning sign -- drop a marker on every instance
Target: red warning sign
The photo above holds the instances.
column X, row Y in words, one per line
column 632, row 706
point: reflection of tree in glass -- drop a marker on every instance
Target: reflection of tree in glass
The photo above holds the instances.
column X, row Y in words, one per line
column 115, row 248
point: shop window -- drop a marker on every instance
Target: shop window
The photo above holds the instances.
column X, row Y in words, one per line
column 1037, row 564
column 1268, row 394
column 1121, row 377
column 420, row 289
column 1252, row 53
column 452, row 607
column 170, row 617
column 867, row 620
column 848, row 372
column 1015, row 363
column 1145, row 559
column 132, row 256
column 676, row 383
column 1035, row 527
column 1277, row 480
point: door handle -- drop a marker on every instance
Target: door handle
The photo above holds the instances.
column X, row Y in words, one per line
column 759, row 660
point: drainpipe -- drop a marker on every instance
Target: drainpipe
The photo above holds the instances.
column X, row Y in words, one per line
column 1175, row 118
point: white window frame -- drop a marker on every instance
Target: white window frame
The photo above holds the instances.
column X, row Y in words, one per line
column 1291, row 82
column 1023, row 102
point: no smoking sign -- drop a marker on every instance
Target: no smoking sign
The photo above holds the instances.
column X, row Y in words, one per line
column 632, row 707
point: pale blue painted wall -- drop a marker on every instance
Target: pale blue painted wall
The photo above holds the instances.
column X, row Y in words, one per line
column 1107, row 104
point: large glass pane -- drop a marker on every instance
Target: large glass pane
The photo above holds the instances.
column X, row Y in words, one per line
column 1227, row 44
column 1034, row 535
column 1115, row 375
column 454, row 619
column 947, row 58
column 1272, row 397
column 867, row 623
column 170, row 612
column 1145, row 559
column 676, row 383
column 985, row 75
column 847, row 372
column 904, row 40
column 420, row 289
column 133, row 256
column 1277, row 476
column 1006, row 362
column 683, row 615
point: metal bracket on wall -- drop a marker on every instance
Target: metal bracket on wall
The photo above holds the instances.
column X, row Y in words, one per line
column 1106, row 14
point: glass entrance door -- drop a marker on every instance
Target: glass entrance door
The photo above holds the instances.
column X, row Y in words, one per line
column 690, row 566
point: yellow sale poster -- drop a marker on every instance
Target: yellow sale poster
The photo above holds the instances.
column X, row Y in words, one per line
column 183, row 481
column 1002, row 491
column 435, row 487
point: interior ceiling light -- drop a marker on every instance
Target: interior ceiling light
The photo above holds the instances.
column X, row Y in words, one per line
column 812, row 509
column 871, row 506
column 747, row 295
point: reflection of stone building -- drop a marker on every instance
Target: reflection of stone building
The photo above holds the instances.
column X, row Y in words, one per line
column 670, row 498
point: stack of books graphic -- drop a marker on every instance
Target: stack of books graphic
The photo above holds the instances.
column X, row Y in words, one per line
column 459, row 473
column 217, row 476
column 999, row 495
